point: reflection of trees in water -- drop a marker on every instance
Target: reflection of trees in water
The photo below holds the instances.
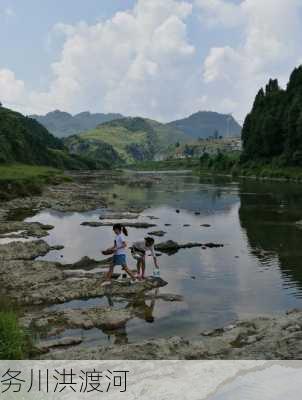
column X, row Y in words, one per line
column 268, row 213
column 141, row 306
column 177, row 192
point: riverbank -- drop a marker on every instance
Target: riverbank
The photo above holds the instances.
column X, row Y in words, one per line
column 20, row 180
column 224, row 165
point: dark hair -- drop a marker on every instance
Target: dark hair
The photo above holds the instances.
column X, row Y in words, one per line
column 121, row 228
column 149, row 241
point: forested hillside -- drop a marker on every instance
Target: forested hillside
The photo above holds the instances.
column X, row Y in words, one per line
column 273, row 129
column 133, row 139
column 24, row 140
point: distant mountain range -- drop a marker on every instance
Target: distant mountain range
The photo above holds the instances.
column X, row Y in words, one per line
column 204, row 124
column 133, row 139
column 116, row 139
column 63, row 124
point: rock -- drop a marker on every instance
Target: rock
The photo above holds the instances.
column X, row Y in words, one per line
column 197, row 213
column 260, row 338
column 186, row 225
column 213, row 245
column 157, row 233
column 57, row 247
column 28, row 282
column 119, row 216
column 168, row 224
column 206, row 225
column 142, row 225
column 178, row 211
column 166, row 297
column 23, row 250
column 16, row 229
column 45, row 346
column 171, row 247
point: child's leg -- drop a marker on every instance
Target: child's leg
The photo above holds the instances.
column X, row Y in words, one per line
column 138, row 267
column 125, row 268
column 143, row 267
column 110, row 273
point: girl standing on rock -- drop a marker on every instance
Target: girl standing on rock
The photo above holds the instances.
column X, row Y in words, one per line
column 138, row 251
column 119, row 253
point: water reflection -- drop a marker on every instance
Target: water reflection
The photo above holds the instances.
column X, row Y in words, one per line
column 257, row 271
column 268, row 217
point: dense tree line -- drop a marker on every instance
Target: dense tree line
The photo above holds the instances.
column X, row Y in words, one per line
column 272, row 131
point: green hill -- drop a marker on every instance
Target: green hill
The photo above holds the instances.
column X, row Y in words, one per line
column 63, row 124
column 204, row 124
column 133, row 139
column 24, row 140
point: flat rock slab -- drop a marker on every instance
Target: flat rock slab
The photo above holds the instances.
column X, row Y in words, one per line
column 119, row 216
column 142, row 225
column 106, row 318
column 24, row 229
column 45, row 346
column 157, row 233
column 24, row 250
column 29, row 282
column 171, row 247
column 260, row 338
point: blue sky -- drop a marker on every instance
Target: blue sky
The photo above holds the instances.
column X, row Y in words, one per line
column 161, row 59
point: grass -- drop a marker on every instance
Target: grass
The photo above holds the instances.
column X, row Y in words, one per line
column 13, row 341
column 23, row 180
column 21, row 172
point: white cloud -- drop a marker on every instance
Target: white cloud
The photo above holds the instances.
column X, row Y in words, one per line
column 137, row 62
column 270, row 47
column 141, row 61
column 11, row 89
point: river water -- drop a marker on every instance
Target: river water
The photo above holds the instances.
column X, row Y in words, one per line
column 258, row 271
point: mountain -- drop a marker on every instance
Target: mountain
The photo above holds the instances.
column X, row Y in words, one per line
column 133, row 139
column 24, row 140
column 63, row 124
column 204, row 124
column 273, row 128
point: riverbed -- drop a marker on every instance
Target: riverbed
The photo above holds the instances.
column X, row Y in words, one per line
column 257, row 271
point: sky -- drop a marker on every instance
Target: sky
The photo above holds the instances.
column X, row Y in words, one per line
column 162, row 59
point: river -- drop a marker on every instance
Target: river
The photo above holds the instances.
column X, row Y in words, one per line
column 258, row 271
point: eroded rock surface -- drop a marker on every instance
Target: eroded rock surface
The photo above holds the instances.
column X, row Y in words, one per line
column 18, row 229
column 23, row 250
column 259, row 338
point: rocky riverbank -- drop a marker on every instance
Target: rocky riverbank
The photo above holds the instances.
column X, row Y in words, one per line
column 264, row 338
